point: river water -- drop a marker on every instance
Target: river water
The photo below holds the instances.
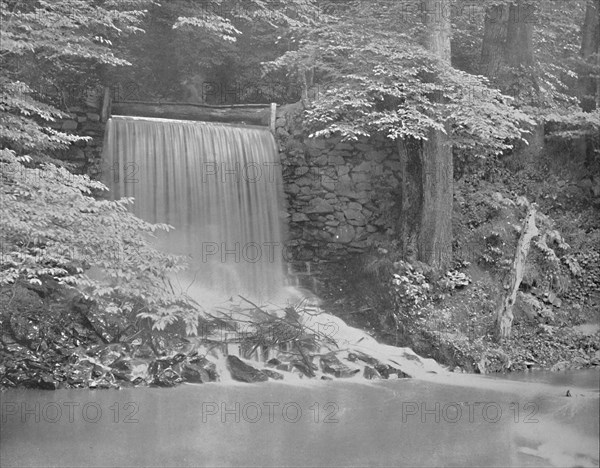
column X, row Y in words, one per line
column 456, row 420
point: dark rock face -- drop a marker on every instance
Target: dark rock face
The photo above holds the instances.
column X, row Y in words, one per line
column 50, row 338
column 330, row 364
column 194, row 374
column 131, row 370
column 109, row 353
column 242, row 372
column 108, row 326
column 166, row 371
column 199, row 370
column 364, row 358
column 386, row 370
column 272, row 374
column 166, row 378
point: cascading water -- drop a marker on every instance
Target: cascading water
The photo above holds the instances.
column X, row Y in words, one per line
column 219, row 185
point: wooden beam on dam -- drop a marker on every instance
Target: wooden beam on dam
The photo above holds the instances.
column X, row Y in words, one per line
column 248, row 114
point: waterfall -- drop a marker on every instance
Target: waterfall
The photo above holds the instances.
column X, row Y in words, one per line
column 219, row 185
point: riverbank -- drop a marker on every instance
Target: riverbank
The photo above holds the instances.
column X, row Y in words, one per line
column 451, row 317
column 51, row 340
column 55, row 340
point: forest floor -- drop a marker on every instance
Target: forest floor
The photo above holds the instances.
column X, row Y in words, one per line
column 452, row 319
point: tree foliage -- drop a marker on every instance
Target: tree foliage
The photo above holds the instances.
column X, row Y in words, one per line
column 382, row 80
column 219, row 45
column 54, row 225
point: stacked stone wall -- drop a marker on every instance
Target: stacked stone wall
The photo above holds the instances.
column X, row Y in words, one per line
column 340, row 195
column 83, row 156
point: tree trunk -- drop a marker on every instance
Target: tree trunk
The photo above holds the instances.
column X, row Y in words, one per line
column 494, row 40
column 435, row 228
column 519, row 35
column 508, row 59
column 437, row 37
column 508, row 46
column 590, row 38
column 504, row 315
column 435, row 232
column 411, row 196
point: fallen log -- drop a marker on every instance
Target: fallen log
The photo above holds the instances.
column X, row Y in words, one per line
column 504, row 314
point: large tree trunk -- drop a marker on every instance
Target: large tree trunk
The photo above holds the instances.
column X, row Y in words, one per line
column 507, row 58
column 435, row 232
column 435, row 228
column 504, row 315
column 494, row 40
column 590, row 39
column 508, row 47
column 519, row 34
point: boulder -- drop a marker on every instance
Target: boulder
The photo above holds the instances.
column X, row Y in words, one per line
column 319, row 143
column 108, row 354
column 344, row 234
column 304, row 181
column 321, row 160
column 328, row 185
column 330, row 364
column 131, row 370
column 365, row 166
column 300, row 171
column 143, row 351
column 299, row 217
column 355, row 217
column 272, row 374
column 166, row 378
column 242, row 372
column 386, row 370
column 107, row 324
column 343, row 170
column 377, row 156
column 209, row 367
column 194, row 373
column 336, row 160
column 318, row 205
column 160, row 365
